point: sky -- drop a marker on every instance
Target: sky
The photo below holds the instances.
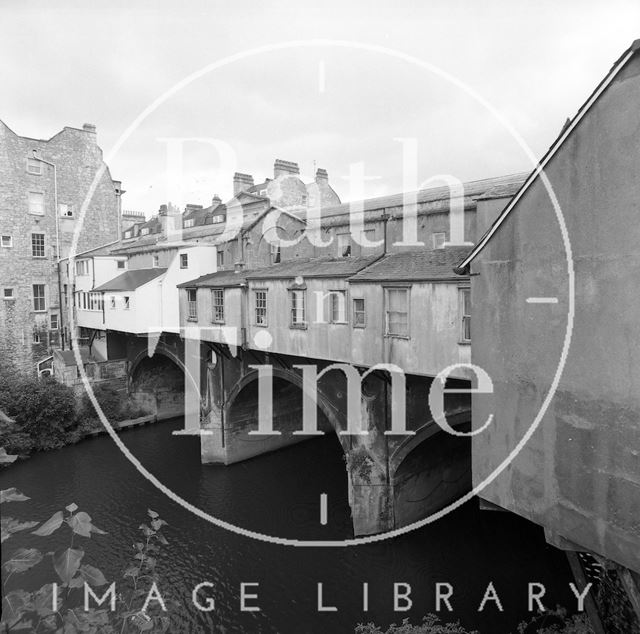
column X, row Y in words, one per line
column 334, row 85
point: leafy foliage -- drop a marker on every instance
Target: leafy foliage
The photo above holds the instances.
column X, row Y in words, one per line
column 31, row 611
column 431, row 624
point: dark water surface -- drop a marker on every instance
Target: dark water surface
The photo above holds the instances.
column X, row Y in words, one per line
column 277, row 494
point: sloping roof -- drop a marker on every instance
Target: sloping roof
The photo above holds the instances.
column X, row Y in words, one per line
column 414, row 266
column 463, row 266
column 69, row 358
column 472, row 190
column 219, row 278
column 131, row 280
column 314, row 267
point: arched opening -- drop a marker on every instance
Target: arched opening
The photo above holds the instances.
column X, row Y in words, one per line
column 157, row 385
column 434, row 471
column 241, row 418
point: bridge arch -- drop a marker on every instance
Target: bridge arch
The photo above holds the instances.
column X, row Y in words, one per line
column 430, row 469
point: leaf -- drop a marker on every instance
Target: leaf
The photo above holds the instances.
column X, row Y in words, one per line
column 23, row 559
column 14, row 605
column 43, row 600
column 152, row 514
column 157, row 524
column 72, row 507
column 99, row 531
column 162, row 539
column 9, row 525
column 51, row 525
column 80, row 524
column 66, row 563
column 92, row 575
column 23, row 625
column 76, row 582
column 12, row 495
column 131, row 571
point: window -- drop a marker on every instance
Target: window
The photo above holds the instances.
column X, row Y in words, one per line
column 156, row 260
column 36, row 337
column 39, row 303
column 121, row 264
column 127, row 303
column 65, row 210
column 358, row 313
column 297, row 307
column 344, row 245
column 113, row 302
column 82, row 267
column 220, row 259
column 261, row 308
column 217, row 219
column 127, row 234
column 8, row 293
column 275, row 254
column 338, row 305
column 397, row 311
column 217, row 306
column 36, row 203
column 144, row 231
column 53, row 319
column 34, row 166
column 192, row 305
column 189, row 223
column 438, row 240
column 6, row 241
column 37, row 245
column 184, row 260
column 465, row 313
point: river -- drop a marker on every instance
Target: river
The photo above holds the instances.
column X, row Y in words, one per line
column 277, row 494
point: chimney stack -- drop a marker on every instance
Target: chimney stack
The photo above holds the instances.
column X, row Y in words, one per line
column 215, row 201
column 285, row 168
column 241, row 182
column 322, row 176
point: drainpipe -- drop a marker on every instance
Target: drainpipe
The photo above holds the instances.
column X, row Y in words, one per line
column 55, row 211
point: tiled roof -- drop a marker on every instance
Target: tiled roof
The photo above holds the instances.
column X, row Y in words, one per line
column 315, row 267
column 472, row 190
column 131, row 280
column 409, row 266
column 220, row 278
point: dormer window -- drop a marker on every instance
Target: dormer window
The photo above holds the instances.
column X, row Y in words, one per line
column 144, row 231
column 189, row 223
column 344, row 245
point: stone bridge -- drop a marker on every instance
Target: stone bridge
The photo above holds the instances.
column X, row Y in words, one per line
column 393, row 479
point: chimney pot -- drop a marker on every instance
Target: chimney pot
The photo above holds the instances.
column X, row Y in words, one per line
column 89, row 127
column 322, row 176
column 281, row 167
column 241, row 182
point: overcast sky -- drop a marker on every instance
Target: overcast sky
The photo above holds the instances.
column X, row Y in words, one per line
column 325, row 106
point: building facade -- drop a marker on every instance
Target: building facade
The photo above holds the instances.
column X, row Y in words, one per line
column 43, row 185
column 555, row 326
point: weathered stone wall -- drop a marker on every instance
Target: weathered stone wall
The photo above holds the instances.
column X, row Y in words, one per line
column 78, row 159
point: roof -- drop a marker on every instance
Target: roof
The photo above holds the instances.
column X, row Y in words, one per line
column 413, row 266
column 314, row 267
column 463, row 266
column 131, row 280
column 69, row 358
column 219, row 278
column 472, row 190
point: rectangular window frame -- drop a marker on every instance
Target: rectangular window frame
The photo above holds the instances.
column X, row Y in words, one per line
column 298, row 308
column 34, row 166
column 356, row 313
column 464, row 302
column 192, row 304
column 6, row 242
column 387, row 312
column 334, row 304
column 38, row 248
column 10, row 296
column 219, row 258
column 54, row 321
column 260, row 304
column 436, row 239
column 33, row 208
column 184, row 260
column 344, row 250
column 217, row 305
column 39, row 300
